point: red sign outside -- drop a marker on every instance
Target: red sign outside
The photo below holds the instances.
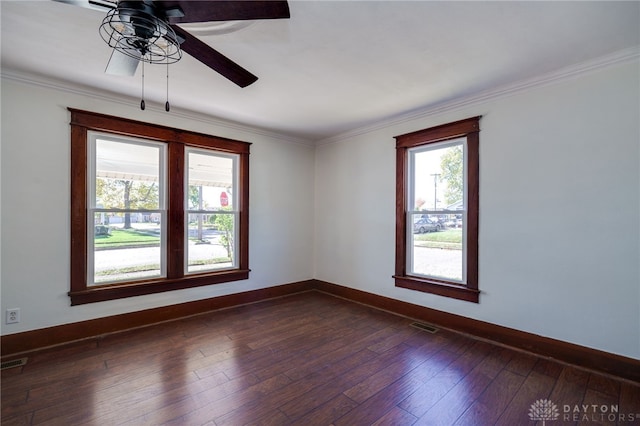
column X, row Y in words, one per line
column 224, row 199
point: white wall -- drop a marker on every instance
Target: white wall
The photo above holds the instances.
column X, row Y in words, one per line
column 35, row 206
column 559, row 211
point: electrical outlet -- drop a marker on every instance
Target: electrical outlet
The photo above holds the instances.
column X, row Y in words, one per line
column 13, row 315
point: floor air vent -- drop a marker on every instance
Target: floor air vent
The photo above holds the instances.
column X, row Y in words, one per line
column 14, row 363
column 425, row 327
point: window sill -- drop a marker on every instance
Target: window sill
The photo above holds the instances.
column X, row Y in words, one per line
column 120, row 291
column 440, row 288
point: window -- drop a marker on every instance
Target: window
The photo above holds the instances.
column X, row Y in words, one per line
column 126, row 218
column 154, row 208
column 437, row 181
column 211, row 181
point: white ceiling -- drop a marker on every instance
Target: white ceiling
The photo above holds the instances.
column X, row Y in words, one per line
column 335, row 66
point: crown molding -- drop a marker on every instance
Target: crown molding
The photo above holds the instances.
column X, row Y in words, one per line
column 104, row 95
column 563, row 74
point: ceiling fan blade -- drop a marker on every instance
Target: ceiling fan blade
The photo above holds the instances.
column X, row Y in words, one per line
column 214, row 59
column 100, row 5
column 223, row 10
column 121, row 64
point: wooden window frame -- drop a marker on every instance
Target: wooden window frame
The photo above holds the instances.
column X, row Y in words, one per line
column 469, row 128
column 83, row 122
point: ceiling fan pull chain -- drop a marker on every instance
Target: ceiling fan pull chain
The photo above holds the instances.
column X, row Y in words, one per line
column 167, row 107
column 142, row 105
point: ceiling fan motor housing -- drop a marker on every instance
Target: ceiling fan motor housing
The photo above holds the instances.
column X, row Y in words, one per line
column 142, row 17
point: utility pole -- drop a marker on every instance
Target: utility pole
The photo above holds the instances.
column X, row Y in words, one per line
column 435, row 189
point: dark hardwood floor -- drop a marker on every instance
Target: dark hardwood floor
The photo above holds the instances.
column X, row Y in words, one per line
column 307, row 359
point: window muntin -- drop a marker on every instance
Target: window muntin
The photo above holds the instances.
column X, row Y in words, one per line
column 436, row 208
column 419, row 212
column 212, row 214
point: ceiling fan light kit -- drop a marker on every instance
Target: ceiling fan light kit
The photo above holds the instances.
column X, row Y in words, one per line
column 140, row 30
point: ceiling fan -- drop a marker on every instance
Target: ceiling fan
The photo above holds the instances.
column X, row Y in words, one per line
column 148, row 31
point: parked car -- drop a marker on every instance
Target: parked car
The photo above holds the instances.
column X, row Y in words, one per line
column 441, row 219
column 454, row 223
column 426, row 225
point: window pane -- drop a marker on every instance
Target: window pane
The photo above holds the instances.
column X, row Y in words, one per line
column 211, row 241
column 436, row 246
column 437, row 188
column 211, row 236
column 438, row 177
column 211, row 181
column 126, row 253
column 127, row 175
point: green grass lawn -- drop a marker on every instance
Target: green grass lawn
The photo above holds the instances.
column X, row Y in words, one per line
column 121, row 238
column 447, row 239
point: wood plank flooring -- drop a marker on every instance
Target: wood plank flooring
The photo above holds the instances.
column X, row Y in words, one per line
column 307, row 359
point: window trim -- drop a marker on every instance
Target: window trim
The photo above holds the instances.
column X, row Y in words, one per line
column 83, row 122
column 470, row 129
